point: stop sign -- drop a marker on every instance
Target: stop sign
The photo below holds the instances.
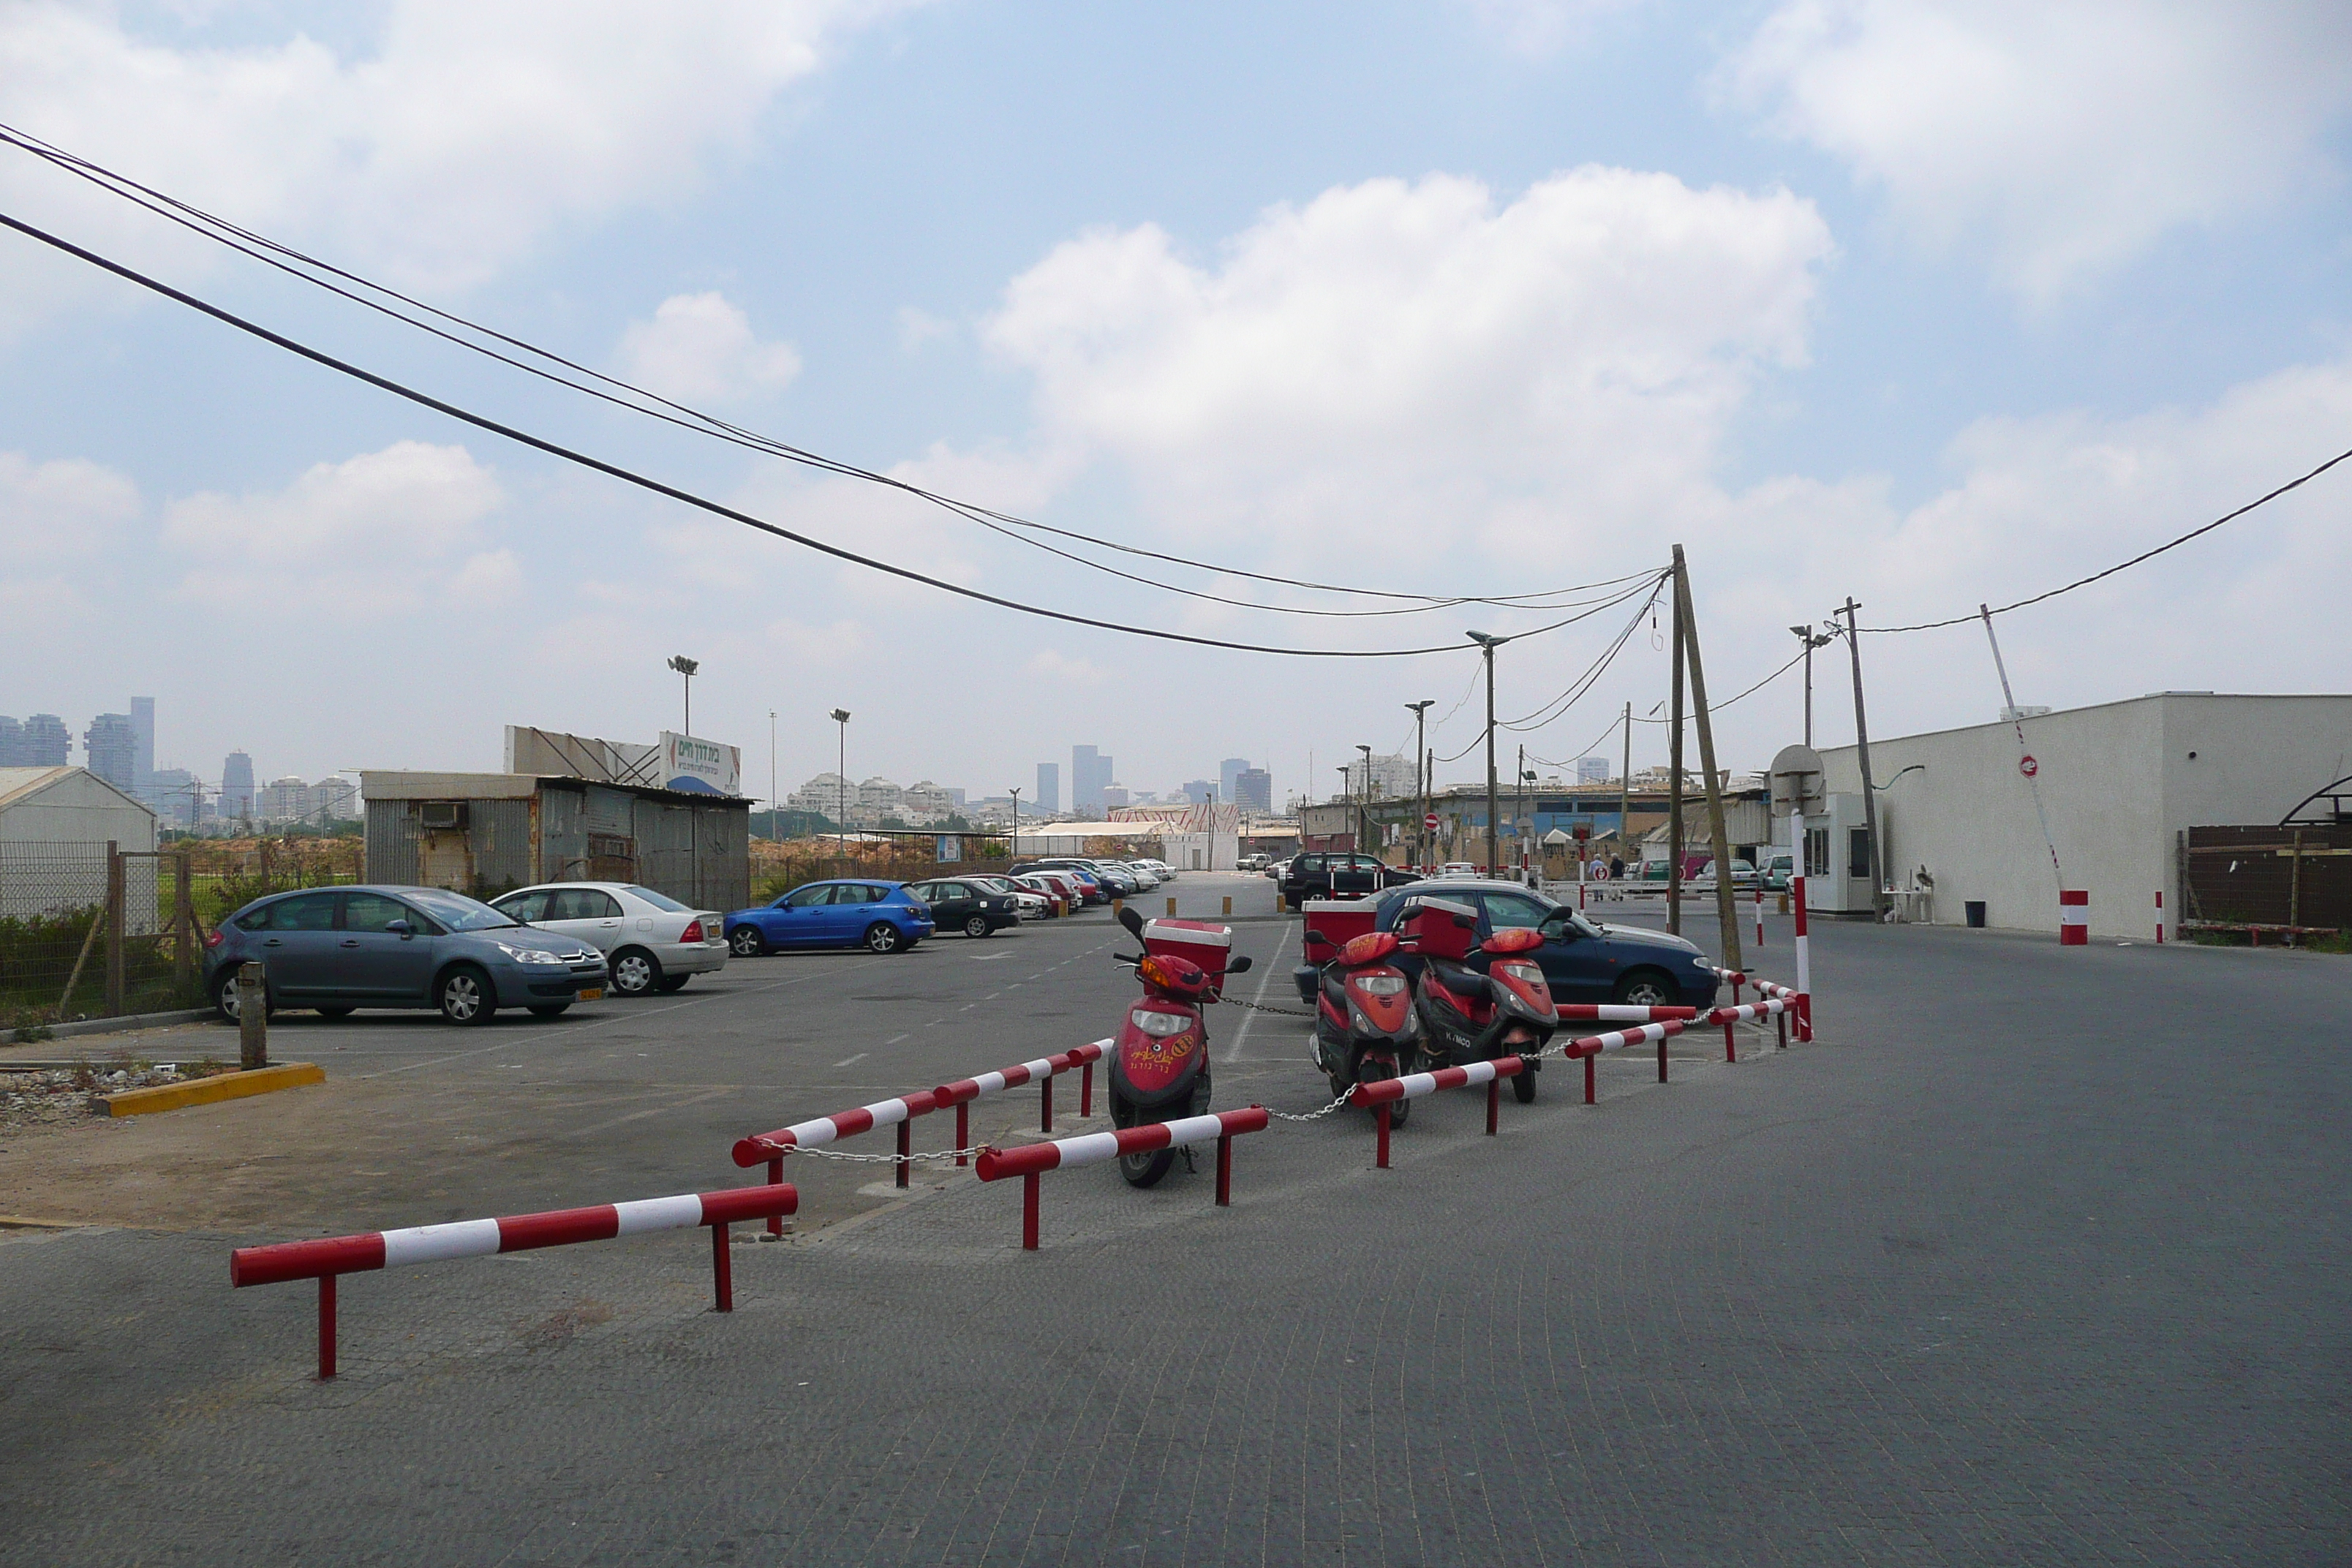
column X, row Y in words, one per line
column 1430, row 822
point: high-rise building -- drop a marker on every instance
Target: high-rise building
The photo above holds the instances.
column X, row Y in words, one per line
column 1049, row 786
column 172, row 793
column 1090, row 775
column 1198, row 791
column 142, row 733
column 237, row 786
column 110, row 750
column 1253, row 789
column 1591, row 769
column 1114, row 797
column 1227, row 771
column 47, row 743
column 12, row 742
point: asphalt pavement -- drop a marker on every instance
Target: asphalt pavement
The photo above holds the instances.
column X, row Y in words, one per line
column 2036, row 1256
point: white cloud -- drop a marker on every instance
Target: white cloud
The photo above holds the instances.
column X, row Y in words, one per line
column 443, row 153
column 1397, row 363
column 917, row 327
column 700, row 347
column 54, row 510
column 2058, row 140
column 371, row 534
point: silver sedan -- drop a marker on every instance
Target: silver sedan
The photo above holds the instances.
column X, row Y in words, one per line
column 651, row 941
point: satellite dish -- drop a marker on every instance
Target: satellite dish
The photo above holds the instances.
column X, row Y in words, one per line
column 1797, row 781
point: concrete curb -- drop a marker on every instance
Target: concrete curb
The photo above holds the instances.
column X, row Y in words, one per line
column 113, row 1025
column 209, row 1090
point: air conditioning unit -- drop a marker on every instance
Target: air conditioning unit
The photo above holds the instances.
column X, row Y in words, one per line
column 441, row 814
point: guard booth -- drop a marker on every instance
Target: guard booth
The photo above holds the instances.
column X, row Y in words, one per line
column 1834, row 846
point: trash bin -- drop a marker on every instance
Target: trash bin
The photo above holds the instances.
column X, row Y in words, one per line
column 1975, row 908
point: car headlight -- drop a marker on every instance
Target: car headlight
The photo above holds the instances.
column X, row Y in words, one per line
column 527, row 955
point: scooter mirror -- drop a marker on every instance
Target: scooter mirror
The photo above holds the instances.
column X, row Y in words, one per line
column 1239, row 966
column 1131, row 921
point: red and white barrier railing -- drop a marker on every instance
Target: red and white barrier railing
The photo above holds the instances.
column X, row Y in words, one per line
column 324, row 1260
column 1381, row 1093
column 1032, row 1160
column 1731, row 1017
column 1658, row 1033
column 901, row 1110
column 1620, row 1012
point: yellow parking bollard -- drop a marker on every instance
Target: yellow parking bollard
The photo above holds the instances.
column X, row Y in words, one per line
column 1171, row 909
column 1228, row 903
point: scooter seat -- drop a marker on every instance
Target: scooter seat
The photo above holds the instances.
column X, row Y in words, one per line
column 1466, row 983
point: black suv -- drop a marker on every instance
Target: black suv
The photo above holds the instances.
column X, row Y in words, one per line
column 967, row 907
column 1336, row 874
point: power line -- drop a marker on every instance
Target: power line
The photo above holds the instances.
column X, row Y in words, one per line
column 1558, row 706
column 244, row 241
column 2125, row 565
column 688, row 497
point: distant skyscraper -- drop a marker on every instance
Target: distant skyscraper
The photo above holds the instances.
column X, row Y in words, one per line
column 12, row 742
column 142, row 733
column 1049, row 787
column 1228, row 771
column 48, row 742
column 1591, row 769
column 1198, row 791
column 1254, row 789
column 1114, row 797
column 110, row 750
column 1090, row 775
column 237, row 786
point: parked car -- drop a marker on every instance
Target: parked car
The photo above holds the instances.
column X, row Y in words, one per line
column 963, row 904
column 1253, row 863
column 1060, row 897
column 1582, row 960
column 1458, row 868
column 1165, row 872
column 1777, row 870
column 650, row 941
column 1028, row 905
column 852, row 912
column 1090, row 882
column 1743, row 876
column 339, row 949
column 1277, row 869
column 1332, row 874
column 1142, row 871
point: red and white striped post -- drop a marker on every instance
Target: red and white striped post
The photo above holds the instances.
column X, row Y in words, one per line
column 1759, row 911
column 1797, row 903
column 1382, row 1093
column 772, row 1147
column 2074, row 917
column 1032, row 1160
column 324, row 1259
column 2159, row 916
column 1732, row 1017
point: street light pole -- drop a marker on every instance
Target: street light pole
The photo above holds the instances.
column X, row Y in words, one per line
column 1861, row 755
column 687, row 667
column 775, row 828
column 1420, row 775
column 1489, row 643
column 841, row 783
column 1016, row 822
column 1364, row 811
column 1811, row 640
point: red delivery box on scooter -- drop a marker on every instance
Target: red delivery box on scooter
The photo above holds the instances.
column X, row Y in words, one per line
column 1206, row 943
column 1331, row 924
column 1440, row 928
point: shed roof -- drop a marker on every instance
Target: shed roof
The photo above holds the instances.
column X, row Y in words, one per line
column 23, row 783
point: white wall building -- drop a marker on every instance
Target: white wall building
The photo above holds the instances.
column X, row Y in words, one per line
column 2119, row 783
column 55, row 826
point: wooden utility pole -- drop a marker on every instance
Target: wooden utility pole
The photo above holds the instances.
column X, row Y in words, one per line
column 183, row 918
column 1421, row 777
column 1726, row 896
column 117, row 898
column 1861, row 755
column 1674, row 772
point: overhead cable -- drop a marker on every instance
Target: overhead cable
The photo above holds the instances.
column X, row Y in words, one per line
column 688, row 497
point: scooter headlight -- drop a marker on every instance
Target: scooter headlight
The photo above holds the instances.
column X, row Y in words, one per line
column 1525, row 974
column 1159, row 1025
column 1380, row 984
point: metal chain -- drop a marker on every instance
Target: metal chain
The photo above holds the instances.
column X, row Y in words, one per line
column 1262, row 1008
column 821, row 1153
column 1310, row 1116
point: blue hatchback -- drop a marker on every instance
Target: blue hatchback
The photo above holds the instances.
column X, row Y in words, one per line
column 881, row 915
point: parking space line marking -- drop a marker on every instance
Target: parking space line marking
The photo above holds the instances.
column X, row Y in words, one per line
column 842, row 1063
column 1233, row 1052
column 657, row 1110
column 891, row 1041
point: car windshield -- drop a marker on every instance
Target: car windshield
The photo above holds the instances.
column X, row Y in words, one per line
column 456, row 911
column 658, row 900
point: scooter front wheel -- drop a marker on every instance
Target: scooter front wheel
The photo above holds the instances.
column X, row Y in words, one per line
column 1372, row 1069
column 1142, row 1170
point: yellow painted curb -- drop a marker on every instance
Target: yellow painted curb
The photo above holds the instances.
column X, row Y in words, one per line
column 206, row 1090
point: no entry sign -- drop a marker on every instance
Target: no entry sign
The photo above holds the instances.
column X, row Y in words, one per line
column 1430, row 822
column 2026, row 765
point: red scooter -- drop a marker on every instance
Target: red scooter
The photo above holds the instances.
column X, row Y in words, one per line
column 1366, row 1028
column 1482, row 1001
column 1160, row 1069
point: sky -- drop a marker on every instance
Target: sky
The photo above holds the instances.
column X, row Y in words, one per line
column 1924, row 304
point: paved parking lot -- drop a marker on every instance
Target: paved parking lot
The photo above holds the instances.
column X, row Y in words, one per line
column 2037, row 1257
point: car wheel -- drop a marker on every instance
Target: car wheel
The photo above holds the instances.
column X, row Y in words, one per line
column 976, row 926
column 334, row 1011
column 225, row 997
column 549, row 1009
column 464, row 997
column 1648, row 988
column 883, row 937
column 636, row 972
column 669, row 982
column 747, row 943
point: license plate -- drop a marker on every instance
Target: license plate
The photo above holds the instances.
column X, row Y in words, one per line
column 593, row 993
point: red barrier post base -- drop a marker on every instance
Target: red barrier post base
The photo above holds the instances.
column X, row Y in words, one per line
column 1046, row 1105
column 1085, row 1090
column 1382, row 1115
column 1780, row 1024
column 776, row 1179
column 722, row 1270
column 906, row 1147
column 1029, row 1212
column 1493, row 1103
column 1225, row 1172
column 963, row 1132
column 1731, row 1040
column 1661, row 1059
column 1589, row 1099
column 326, row 1327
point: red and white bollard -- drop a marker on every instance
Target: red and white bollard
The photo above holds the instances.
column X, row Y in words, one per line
column 1759, row 911
column 1804, row 964
column 1030, row 1160
column 2074, row 917
column 2159, row 916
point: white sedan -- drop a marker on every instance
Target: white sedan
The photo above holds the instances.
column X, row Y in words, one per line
column 651, row 941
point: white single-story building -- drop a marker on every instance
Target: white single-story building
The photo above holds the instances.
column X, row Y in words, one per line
column 55, row 826
column 2120, row 783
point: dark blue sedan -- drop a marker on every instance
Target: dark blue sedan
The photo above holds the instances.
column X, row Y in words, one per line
column 883, row 917
column 1582, row 960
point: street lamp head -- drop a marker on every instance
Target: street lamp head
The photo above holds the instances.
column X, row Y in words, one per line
column 683, row 665
column 840, row 715
column 1422, row 705
column 1486, row 640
